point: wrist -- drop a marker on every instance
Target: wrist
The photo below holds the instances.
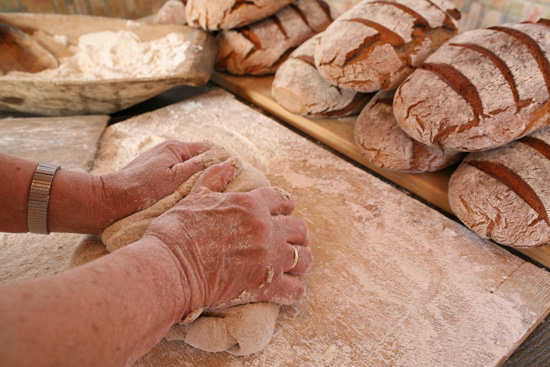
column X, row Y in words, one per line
column 75, row 204
column 181, row 290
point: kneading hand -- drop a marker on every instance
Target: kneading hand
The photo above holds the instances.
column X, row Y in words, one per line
column 234, row 248
column 149, row 178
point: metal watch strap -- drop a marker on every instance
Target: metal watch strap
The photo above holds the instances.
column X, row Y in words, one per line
column 39, row 197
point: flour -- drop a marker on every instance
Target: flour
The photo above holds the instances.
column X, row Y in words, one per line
column 115, row 55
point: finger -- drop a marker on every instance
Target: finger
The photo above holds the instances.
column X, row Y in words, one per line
column 184, row 150
column 184, row 170
column 278, row 200
column 299, row 260
column 216, row 178
column 286, row 290
column 294, row 228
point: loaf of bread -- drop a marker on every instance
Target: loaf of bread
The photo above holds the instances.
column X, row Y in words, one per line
column 383, row 142
column 299, row 88
column 172, row 12
column 226, row 14
column 260, row 48
column 503, row 194
column 376, row 44
column 481, row 90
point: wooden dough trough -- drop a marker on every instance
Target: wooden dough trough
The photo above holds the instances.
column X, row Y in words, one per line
column 338, row 134
column 99, row 96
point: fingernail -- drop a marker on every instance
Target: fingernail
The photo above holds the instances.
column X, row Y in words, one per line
column 283, row 192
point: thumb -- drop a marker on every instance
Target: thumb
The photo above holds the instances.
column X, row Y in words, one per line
column 216, row 178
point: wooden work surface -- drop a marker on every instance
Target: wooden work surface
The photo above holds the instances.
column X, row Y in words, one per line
column 394, row 283
column 338, row 134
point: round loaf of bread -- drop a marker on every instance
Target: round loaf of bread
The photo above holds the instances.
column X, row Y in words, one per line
column 299, row 88
column 383, row 142
column 481, row 90
column 503, row 194
column 259, row 49
column 226, row 14
column 376, row 44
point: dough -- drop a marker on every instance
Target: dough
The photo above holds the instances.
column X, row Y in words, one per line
column 239, row 330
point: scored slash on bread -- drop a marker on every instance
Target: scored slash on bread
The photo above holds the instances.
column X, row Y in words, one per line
column 503, row 194
column 377, row 44
column 481, row 90
column 260, row 48
column 299, row 88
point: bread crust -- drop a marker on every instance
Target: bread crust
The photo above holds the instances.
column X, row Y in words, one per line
column 481, row 90
column 383, row 142
column 377, row 44
column 503, row 194
column 226, row 14
column 259, row 49
column 299, row 88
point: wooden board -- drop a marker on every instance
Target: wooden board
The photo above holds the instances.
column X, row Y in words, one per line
column 394, row 283
column 338, row 134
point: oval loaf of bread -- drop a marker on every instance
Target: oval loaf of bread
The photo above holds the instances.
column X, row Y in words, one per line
column 260, row 48
column 376, row 44
column 299, row 88
column 214, row 15
column 481, row 90
column 504, row 194
column 383, row 142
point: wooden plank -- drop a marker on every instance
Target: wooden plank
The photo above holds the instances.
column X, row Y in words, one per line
column 338, row 134
column 393, row 282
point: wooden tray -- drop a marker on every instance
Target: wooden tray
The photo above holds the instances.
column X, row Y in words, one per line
column 338, row 134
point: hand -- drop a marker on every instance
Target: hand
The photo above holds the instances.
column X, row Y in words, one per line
column 149, row 178
column 234, row 248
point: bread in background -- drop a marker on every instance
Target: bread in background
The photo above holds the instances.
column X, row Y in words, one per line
column 260, row 48
column 481, row 90
column 226, row 14
column 381, row 140
column 503, row 194
column 299, row 88
column 377, row 44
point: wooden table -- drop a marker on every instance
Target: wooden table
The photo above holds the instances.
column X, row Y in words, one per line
column 377, row 294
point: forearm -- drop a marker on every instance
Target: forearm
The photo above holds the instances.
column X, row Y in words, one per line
column 108, row 312
column 76, row 200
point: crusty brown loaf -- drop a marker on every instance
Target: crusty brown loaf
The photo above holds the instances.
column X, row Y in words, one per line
column 260, row 48
column 377, row 44
column 299, row 88
column 481, row 90
column 213, row 15
column 383, row 142
column 504, row 194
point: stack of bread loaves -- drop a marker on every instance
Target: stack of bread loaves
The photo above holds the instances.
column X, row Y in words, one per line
column 255, row 36
column 480, row 93
column 372, row 47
